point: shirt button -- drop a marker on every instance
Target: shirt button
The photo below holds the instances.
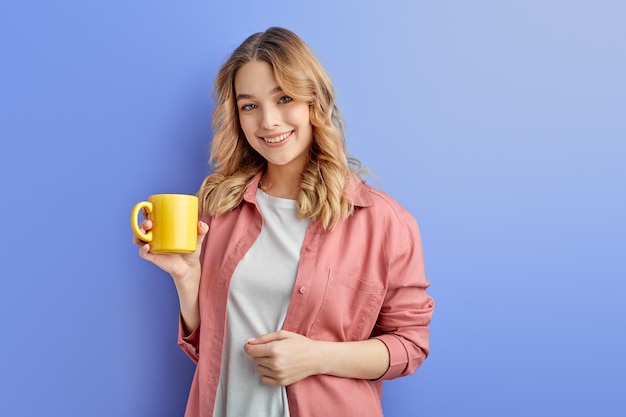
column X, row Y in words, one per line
column 309, row 248
column 302, row 290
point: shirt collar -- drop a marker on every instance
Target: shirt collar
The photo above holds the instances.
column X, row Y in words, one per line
column 356, row 191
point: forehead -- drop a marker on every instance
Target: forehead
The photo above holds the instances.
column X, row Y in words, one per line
column 255, row 78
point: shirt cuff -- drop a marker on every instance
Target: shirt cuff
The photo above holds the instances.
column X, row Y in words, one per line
column 189, row 343
column 398, row 356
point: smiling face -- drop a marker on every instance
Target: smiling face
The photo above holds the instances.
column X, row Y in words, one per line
column 275, row 125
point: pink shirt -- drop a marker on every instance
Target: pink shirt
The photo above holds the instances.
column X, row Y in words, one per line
column 363, row 279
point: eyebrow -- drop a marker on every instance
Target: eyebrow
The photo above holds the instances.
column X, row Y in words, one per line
column 249, row 96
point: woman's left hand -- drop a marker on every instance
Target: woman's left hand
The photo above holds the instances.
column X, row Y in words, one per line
column 284, row 357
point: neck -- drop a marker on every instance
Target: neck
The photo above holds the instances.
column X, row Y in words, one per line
column 281, row 182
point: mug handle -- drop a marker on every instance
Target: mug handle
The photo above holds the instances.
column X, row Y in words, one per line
column 146, row 237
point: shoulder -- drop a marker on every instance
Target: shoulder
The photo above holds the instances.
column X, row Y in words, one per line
column 380, row 216
column 374, row 202
column 381, row 221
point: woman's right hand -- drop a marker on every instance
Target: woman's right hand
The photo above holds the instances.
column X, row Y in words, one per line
column 180, row 266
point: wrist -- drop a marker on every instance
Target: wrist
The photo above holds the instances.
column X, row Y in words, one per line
column 188, row 285
column 326, row 351
column 190, row 278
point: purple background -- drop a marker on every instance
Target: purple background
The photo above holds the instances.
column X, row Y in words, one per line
column 499, row 124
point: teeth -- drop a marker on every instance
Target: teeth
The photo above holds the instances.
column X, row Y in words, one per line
column 277, row 138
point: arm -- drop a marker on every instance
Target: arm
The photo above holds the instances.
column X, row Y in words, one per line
column 187, row 289
column 403, row 322
column 367, row 359
column 185, row 271
column 284, row 358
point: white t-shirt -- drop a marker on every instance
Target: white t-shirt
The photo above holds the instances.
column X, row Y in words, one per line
column 258, row 299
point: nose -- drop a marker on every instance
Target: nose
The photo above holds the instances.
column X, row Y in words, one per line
column 271, row 117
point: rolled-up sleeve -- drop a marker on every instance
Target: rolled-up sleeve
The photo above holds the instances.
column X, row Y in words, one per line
column 190, row 344
column 403, row 322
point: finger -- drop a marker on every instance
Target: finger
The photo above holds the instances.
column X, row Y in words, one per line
column 266, row 372
column 145, row 226
column 138, row 241
column 265, row 365
column 269, row 377
column 144, row 251
column 203, row 228
column 266, row 380
column 269, row 337
column 143, row 229
column 158, row 260
column 256, row 352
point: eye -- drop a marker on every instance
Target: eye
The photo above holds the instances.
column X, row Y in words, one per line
column 248, row 107
column 285, row 99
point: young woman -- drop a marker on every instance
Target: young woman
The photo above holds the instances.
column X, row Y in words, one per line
column 307, row 289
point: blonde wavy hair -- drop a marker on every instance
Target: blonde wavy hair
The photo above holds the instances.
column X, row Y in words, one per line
column 234, row 162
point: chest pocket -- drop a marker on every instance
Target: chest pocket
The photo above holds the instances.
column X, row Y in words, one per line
column 350, row 307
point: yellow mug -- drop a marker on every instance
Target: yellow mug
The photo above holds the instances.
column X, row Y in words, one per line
column 174, row 222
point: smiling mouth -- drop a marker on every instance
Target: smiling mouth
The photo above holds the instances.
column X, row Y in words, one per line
column 279, row 138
